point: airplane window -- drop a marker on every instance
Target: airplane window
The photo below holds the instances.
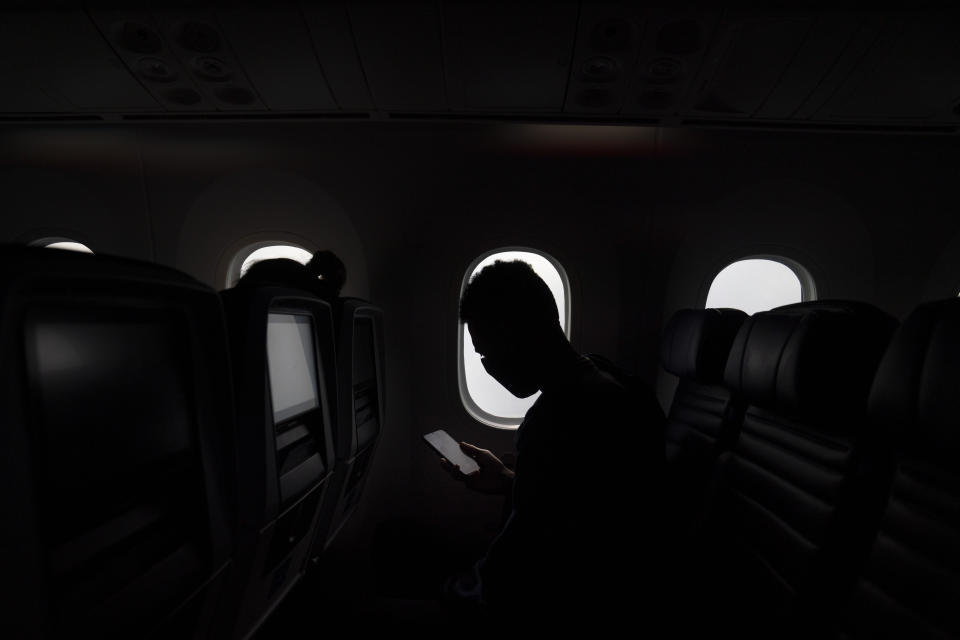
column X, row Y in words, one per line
column 483, row 397
column 58, row 243
column 757, row 284
column 272, row 251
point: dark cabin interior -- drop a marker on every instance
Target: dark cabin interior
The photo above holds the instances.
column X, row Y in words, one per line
column 643, row 148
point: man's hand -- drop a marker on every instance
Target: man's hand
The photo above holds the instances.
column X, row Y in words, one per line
column 493, row 477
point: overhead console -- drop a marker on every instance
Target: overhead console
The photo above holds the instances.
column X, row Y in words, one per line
column 545, row 62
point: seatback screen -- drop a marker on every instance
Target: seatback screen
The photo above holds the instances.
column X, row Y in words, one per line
column 115, row 413
column 292, row 365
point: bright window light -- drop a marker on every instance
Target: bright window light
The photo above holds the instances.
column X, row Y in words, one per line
column 485, row 398
column 270, row 252
column 69, row 246
column 754, row 285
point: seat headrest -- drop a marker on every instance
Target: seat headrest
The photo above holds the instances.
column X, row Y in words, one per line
column 696, row 342
column 811, row 359
column 23, row 264
column 916, row 392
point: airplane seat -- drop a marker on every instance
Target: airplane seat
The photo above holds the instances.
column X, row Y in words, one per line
column 909, row 584
column 704, row 415
column 777, row 511
column 118, row 466
column 360, row 410
column 282, row 344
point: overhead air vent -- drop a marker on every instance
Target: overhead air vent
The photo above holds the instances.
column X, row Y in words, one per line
column 611, row 36
column 212, row 69
column 198, row 37
column 679, row 38
column 156, row 70
column 139, row 38
column 600, row 69
column 145, row 50
column 669, row 59
column 208, row 57
column 599, row 83
column 664, row 70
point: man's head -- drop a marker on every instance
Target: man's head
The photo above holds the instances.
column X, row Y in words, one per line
column 512, row 317
column 279, row 272
column 331, row 271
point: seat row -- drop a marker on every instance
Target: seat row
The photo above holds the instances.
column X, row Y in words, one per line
column 174, row 458
column 813, row 479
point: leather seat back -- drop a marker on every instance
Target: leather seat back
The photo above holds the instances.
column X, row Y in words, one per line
column 910, row 584
column 704, row 416
column 282, row 347
column 360, row 411
column 804, row 371
column 118, row 475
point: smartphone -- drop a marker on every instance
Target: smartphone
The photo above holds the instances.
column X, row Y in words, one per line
column 441, row 442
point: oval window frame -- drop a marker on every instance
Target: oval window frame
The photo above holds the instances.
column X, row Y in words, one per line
column 236, row 262
column 473, row 410
column 808, row 286
column 46, row 241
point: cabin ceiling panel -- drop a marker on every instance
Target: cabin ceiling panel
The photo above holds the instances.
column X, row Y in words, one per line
column 198, row 42
column 829, row 35
column 748, row 57
column 608, row 42
column 56, row 61
column 563, row 61
column 671, row 53
column 508, row 56
column 274, row 47
column 137, row 42
column 912, row 71
column 333, row 43
column 399, row 46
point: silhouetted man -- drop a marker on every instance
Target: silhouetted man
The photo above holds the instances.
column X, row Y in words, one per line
column 585, row 509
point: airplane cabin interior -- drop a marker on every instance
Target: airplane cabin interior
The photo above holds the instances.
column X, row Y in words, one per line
column 751, row 213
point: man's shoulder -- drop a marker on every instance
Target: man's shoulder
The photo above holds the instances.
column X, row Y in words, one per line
column 612, row 389
column 586, row 381
column 603, row 383
column 595, row 394
column 594, row 388
column 602, row 377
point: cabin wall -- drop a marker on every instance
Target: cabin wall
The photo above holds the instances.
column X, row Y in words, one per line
column 641, row 219
column 84, row 184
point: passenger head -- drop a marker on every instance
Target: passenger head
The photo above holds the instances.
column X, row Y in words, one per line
column 513, row 321
column 331, row 272
column 280, row 272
